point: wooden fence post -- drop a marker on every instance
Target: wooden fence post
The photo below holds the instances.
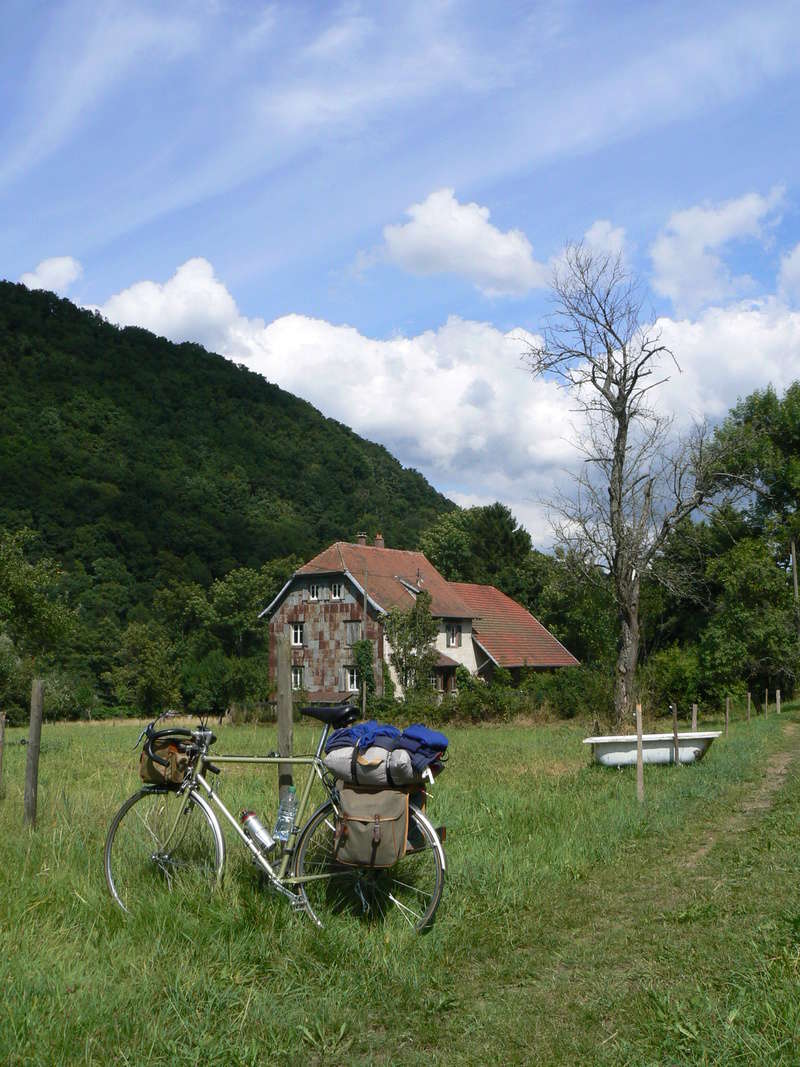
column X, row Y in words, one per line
column 2, row 746
column 727, row 713
column 283, row 653
column 34, row 744
column 748, row 706
column 639, row 756
column 778, row 701
column 766, row 702
column 363, row 638
column 694, row 718
column 675, row 747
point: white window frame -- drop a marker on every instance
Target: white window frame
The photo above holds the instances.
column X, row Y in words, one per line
column 437, row 681
column 313, row 591
column 454, row 634
column 336, row 590
column 351, row 679
column 298, row 631
column 297, row 678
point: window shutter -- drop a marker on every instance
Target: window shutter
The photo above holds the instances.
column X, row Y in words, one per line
column 458, row 636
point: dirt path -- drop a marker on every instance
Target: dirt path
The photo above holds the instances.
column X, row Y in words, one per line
column 760, row 801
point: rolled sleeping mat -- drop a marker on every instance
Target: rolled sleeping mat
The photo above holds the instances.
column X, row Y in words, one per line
column 370, row 766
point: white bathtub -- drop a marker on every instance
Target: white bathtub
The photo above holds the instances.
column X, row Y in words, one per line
column 620, row 750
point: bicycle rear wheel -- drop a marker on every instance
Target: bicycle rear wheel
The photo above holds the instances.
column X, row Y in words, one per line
column 403, row 896
column 161, row 839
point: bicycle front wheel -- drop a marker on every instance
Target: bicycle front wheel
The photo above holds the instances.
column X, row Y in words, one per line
column 405, row 895
column 161, row 839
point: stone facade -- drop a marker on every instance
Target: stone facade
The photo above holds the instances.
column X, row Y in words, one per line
column 330, row 626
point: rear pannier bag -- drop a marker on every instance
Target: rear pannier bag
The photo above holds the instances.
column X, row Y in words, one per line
column 372, row 828
column 155, row 773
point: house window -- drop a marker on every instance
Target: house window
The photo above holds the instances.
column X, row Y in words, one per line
column 352, row 632
column 313, row 591
column 437, row 681
column 351, row 679
column 297, row 633
column 297, row 677
column 336, row 590
column 454, row 635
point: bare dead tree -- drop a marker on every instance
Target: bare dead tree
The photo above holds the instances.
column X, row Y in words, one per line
column 638, row 479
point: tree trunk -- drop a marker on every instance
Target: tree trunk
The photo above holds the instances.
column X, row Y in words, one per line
column 627, row 658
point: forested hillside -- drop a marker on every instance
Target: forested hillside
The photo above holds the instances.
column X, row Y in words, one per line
column 118, row 445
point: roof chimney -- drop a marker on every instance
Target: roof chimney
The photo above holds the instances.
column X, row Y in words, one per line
column 361, row 538
column 379, row 542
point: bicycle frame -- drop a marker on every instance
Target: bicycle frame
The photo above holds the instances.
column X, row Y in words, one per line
column 277, row 873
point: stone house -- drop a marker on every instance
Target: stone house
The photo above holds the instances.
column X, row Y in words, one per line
column 328, row 603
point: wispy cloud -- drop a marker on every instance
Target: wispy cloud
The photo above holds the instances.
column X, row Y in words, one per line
column 86, row 53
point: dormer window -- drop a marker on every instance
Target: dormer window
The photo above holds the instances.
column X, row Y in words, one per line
column 336, row 590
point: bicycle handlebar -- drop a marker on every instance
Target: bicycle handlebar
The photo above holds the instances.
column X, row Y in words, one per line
column 152, row 735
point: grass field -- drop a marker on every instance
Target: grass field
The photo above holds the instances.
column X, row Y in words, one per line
column 574, row 926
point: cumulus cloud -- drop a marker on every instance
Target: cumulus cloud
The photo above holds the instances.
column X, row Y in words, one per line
column 687, row 266
column 456, row 402
column 443, row 236
column 191, row 305
column 726, row 353
column 603, row 236
column 56, row 274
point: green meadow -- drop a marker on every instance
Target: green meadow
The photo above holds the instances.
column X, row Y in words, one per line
column 575, row 925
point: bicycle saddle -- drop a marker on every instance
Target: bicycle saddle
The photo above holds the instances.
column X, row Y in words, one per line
column 339, row 715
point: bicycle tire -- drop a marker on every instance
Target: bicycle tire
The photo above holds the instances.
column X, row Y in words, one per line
column 162, row 839
column 405, row 895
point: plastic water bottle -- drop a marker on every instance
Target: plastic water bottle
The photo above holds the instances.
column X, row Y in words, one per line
column 287, row 809
column 256, row 830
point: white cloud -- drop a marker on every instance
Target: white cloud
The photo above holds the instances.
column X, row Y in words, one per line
column 57, row 274
column 446, row 237
column 602, row 236
column 727, row 353
column 191, row 305
column 789, row 276
column 456, row 402
column 687, row 266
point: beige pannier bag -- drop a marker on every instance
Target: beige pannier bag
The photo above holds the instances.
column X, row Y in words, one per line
column 372, row 829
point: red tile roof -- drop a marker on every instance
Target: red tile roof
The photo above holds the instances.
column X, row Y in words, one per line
column 509, row 633
column 384, row 570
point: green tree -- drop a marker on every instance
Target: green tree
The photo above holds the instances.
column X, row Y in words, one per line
column 411, row 634
column 485, row 545
column 146, row 675
column 750, row 635
column 364, row 658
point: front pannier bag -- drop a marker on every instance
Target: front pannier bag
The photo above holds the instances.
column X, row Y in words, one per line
column 372, row 829
column 156, row 773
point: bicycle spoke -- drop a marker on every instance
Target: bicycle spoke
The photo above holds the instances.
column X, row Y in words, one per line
column 404, row 910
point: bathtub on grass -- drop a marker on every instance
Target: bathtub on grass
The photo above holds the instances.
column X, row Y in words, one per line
column 620, row 750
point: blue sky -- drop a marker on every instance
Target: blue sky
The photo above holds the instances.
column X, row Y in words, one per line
column 364, row 201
